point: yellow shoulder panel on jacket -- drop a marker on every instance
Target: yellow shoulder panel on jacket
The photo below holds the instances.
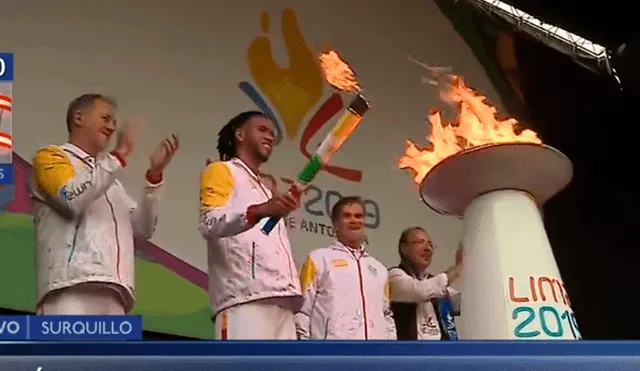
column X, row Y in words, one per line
column 307, row 274
column 216, row 185
column 387, row 290
column 52, row 169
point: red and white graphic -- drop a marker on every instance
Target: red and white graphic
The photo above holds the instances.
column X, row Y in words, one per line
column 5, row 140
column 5, row 102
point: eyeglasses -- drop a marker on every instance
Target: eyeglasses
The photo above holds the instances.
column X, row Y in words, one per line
column 422, row 242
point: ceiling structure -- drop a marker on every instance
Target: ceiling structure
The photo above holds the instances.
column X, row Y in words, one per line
column 610, row 23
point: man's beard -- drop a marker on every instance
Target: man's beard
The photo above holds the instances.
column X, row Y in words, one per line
column 259, row 156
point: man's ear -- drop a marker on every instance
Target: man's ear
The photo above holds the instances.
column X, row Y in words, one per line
column 401, row 251
column 239, row 134
column 77, row 118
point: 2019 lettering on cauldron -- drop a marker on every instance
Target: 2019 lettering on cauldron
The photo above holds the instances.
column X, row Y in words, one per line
column 197, row 71
column 541, row 308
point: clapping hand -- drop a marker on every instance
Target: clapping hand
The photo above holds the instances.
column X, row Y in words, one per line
column 163, row 154
column 128, row 137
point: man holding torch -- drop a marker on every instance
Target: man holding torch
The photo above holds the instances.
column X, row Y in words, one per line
column 253, row 286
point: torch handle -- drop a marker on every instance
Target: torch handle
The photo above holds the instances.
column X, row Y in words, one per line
column 269, row 225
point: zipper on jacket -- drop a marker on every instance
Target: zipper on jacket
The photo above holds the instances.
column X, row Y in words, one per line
column 256, row 179
column 115, row 225
column 364, row 304
column 326, row 329
column 74, row 241
column 253, row 260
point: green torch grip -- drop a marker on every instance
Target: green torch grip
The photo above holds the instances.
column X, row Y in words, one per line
column 307, row 174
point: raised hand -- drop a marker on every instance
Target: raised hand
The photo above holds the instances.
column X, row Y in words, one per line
column 455, row 271
column 163, row 154
column 458, row 260
column 128, row 137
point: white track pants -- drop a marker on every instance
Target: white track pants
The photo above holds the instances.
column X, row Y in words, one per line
column 83, row 299
column 255, row 321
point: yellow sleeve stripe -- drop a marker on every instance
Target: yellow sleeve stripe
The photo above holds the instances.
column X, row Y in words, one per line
column 216, row 185
column 52, row 169
column 387, row 290
column 307, row 274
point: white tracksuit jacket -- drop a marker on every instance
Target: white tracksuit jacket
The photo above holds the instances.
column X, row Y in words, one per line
column 244, row 264
column 85, row 222
column 344, row 290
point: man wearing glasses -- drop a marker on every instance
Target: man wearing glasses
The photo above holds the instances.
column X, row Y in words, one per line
column 423, row 305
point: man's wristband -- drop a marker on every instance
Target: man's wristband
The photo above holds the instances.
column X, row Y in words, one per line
column 153, row 178
column 120, row 159
column 251, row 214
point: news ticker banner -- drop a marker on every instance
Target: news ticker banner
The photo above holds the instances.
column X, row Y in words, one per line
column 319, row 363
column 321, row 356
column 85, row 328
column 6, row 139
column 328, row 348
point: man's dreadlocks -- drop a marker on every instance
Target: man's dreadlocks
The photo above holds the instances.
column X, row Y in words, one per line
column 227, row 135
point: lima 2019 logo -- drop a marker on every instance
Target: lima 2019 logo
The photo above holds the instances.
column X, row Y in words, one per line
column 294, row 91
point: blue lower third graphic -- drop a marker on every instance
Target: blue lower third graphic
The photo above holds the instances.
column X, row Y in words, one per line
column 319, row 355
column 6, row 174
column 70, row 328
column 320, row 363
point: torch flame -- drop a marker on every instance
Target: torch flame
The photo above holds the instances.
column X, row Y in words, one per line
column 338, row 73
column 476, row 125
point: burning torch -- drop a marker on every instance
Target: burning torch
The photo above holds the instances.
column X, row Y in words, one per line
column 340, row 76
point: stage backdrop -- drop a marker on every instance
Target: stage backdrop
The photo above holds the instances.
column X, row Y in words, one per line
column 189, row 67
